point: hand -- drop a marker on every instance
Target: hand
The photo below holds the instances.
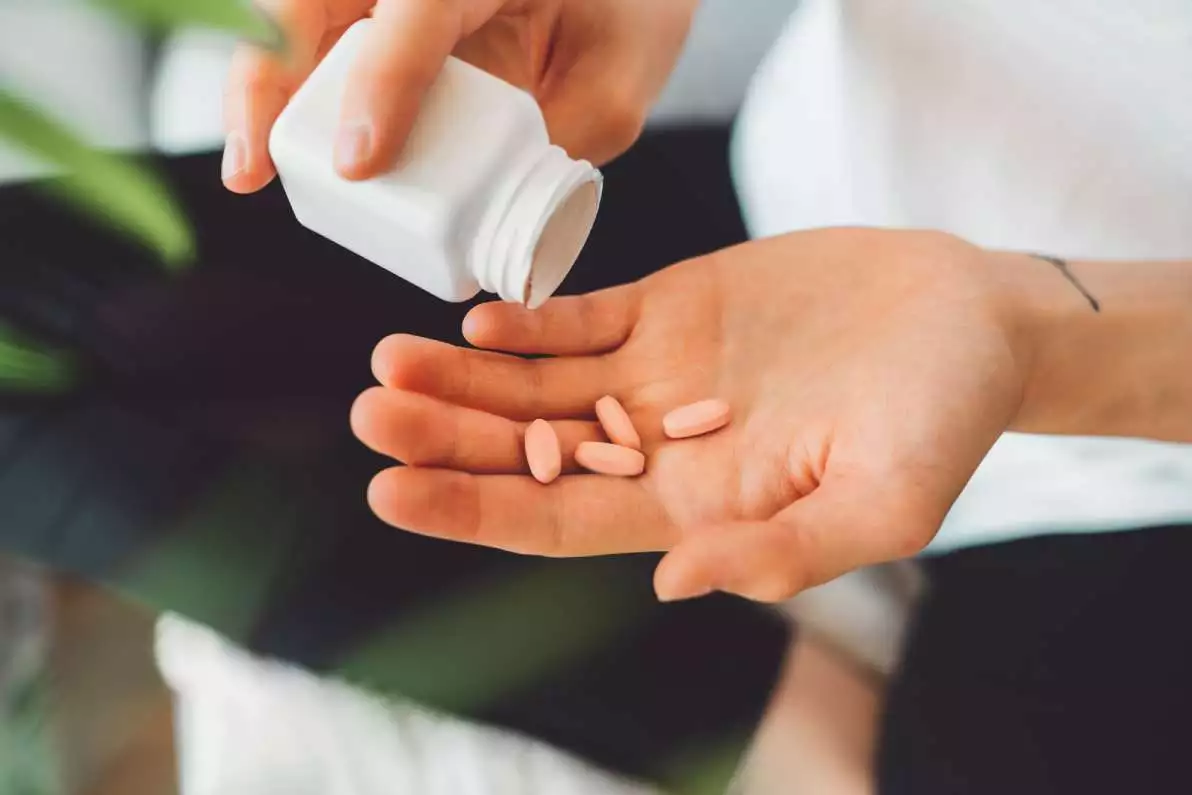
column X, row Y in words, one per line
column 595, row 67
column 869, row 373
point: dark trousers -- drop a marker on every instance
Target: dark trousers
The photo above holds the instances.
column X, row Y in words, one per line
column 1049, row 665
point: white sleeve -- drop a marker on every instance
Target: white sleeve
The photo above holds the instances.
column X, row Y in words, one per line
column 726, row 43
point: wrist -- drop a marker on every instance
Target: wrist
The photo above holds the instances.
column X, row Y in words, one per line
column 1105, row 347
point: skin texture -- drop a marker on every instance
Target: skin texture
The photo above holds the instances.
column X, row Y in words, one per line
column 847, row 442
column 868, row 371
column 595, row 67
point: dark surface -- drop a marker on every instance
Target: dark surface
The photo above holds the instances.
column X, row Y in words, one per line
column 1051, row 665
column 206, row 466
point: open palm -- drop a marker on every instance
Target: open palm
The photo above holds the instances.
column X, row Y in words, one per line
column 867, row 373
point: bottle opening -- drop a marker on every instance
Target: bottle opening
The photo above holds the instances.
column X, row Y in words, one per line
column 561, row 241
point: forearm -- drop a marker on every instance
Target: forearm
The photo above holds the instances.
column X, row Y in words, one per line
column 1109, row 347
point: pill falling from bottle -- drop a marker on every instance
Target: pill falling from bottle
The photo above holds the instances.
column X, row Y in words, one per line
column 616, row 423
column 610, row 459
column 696, row 419
column 543, row 452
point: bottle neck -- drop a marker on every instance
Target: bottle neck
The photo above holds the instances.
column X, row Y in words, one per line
column 535, row 226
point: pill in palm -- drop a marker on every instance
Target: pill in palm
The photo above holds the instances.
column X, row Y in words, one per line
column 696, row 419
column 543, row 452
column 610, row 459
column 616, row 423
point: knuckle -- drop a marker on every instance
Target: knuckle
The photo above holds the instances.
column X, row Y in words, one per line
column 915, row 516
column 554, row 535
column 461, row 491
column 624, row 116
column 908, row 541
column 587, row 316
column 784, row 586
column 256, row 80
column 536, row 383
column 255, row 71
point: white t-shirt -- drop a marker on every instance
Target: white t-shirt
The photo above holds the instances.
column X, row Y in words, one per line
column 1062, row 126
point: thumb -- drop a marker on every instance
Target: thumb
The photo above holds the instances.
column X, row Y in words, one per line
column 589, row 94
column 835, row 529
column 595, row 110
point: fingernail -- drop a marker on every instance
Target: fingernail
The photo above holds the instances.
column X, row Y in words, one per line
column 471, row 325
column 353, row 145
column 682, row 594
column 235, row 156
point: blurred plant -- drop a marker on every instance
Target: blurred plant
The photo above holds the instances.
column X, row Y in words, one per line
column 444, row 654
column 121, row 191
column 233, row 16
column 127, row 195
column 118, row 190
column 27, row 367
column 27, row 763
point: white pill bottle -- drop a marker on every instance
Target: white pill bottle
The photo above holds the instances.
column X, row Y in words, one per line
column 478, row 200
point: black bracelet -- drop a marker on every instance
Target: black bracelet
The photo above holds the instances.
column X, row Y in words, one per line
column 1062, row 266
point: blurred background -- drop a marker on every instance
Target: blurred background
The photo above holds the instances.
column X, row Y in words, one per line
column 193, row 596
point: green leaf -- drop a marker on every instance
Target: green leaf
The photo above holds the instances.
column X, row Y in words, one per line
column 707, row 768
column 26, row 367
column 29, row 764
column 467, row 649
column 233, row 16
column 240, row 534
column 114, row 188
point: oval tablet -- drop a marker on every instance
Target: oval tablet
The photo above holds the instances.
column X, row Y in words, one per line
column 610, row 459
column 543, row 452
column 696, row 419
column 616, row 423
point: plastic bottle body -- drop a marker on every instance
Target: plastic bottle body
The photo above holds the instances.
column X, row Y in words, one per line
column 479, row 198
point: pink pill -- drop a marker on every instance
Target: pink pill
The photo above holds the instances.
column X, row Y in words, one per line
column 543, row 452
column 610, row 459
column 616, row 423
column 696, row 419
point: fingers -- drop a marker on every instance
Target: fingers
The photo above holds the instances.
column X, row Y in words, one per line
column 608, row 71
column 818, row 538
column 422, row 431
column 520, row 389
column 400, row 58
column 567, row 326
column 578, row 515
column 260, row 84
column 402, row 53
column 757, row 560
column 597, row 110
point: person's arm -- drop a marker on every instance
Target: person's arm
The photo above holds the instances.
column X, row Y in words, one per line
column 1115, row 359
column 868, row 372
